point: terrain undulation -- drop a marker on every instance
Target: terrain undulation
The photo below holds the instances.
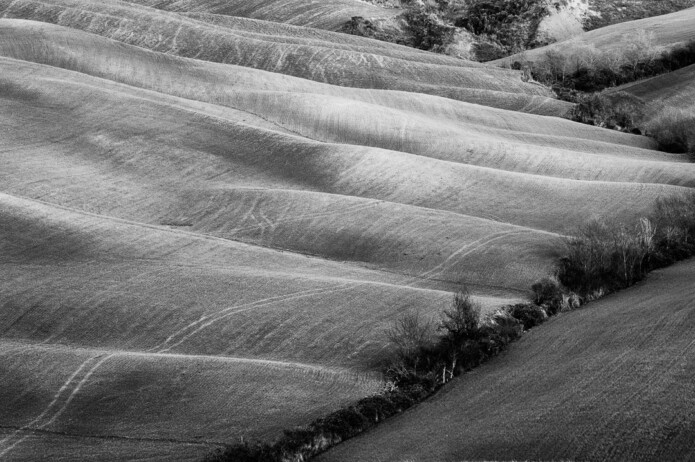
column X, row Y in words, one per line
column 208, row 219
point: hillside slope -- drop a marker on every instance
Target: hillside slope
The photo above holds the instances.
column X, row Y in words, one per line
column 353, row 62
column 324, row 14
column 667, row 31
column 609, row 13
column 238, row 240
column 612, row 381
column 675, row 89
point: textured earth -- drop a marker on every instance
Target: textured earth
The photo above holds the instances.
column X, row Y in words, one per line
column 208, row 221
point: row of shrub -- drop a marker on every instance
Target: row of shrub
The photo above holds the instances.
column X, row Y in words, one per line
column 425, row 357
column 585, row 75
column 601, row 257
column 605, row 256
column 587, row 69
column 672, row 128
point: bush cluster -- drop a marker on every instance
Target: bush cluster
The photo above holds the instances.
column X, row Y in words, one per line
column 422, row 25
column 606, row 256
column 674, row 130
column 460, row 342
column 512, row 24
column 615, row 110
column 675, row 236
column 427, row 30
column 528, row 314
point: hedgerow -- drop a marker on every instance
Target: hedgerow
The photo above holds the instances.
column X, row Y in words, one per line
column 584, row 75
column 425, row 357
column 601, row 257
column 586, row 69
column 605, row 256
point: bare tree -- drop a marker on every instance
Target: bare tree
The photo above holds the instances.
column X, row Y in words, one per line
column 410, row 334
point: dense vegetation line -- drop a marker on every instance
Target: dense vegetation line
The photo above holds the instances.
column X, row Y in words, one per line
column 606, row 256
column 584, row 75
column 587, row 69
column 672, row 128
column 601, row 257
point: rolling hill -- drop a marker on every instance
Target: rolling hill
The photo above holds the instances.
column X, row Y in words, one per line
column 311, row 54
column 613, row 381
column 209, row 221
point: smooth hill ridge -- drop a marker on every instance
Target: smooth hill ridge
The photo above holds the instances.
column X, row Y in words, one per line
column 397, row 67
column 618, row 373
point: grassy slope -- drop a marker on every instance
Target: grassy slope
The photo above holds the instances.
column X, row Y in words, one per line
column 143, row 195
column 612, row 12
column 171, row 401
column 613, row 381
column 156, row 302
column 463, row 133
column 675, row 89
column 355, row 62
column 668, row 30
column 326, row 14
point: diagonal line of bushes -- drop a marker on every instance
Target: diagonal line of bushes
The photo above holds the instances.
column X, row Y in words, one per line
column 606, row 256
column 587, row 69
column 601, row 258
